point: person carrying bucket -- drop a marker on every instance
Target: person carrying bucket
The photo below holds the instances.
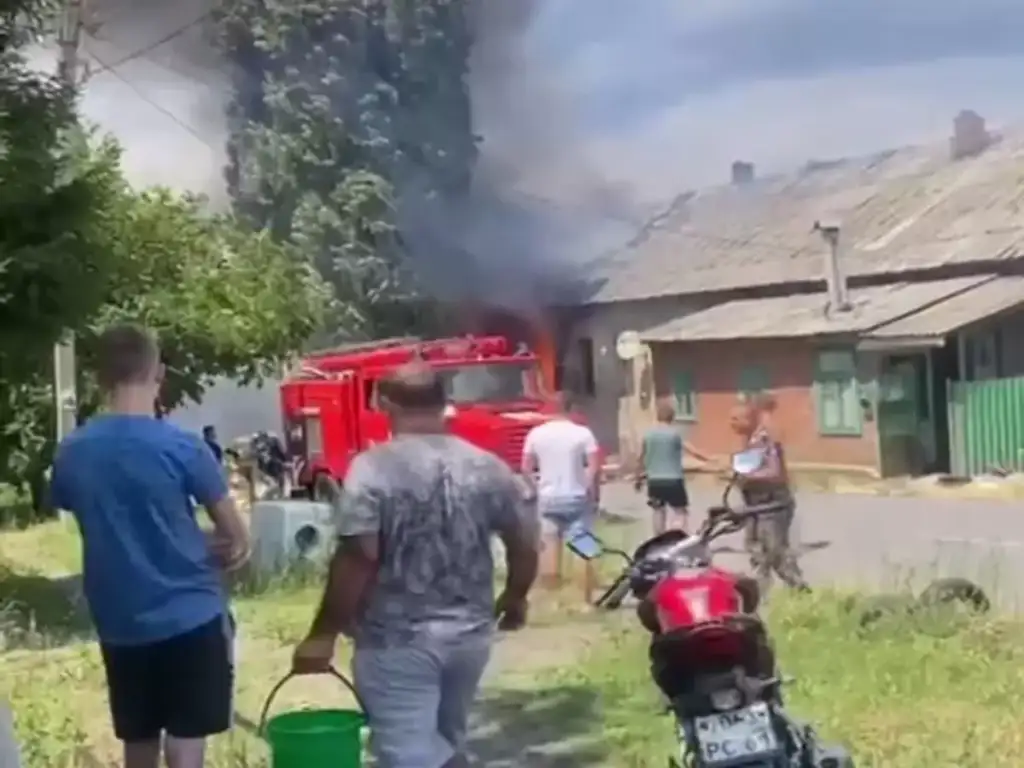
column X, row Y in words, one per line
column 412, row 579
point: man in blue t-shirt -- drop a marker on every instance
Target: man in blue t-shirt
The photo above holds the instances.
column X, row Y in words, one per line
column 150, row 573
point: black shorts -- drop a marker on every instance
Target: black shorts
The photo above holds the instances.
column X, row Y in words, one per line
column 181, row 686
column 667, row 493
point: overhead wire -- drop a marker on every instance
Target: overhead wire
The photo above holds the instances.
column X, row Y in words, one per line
column 150, row 47
column 192, row 130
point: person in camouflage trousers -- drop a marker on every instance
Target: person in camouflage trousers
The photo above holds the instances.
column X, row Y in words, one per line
column 767, row 540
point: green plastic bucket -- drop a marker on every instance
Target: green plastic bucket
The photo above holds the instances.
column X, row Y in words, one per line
column 314, row 738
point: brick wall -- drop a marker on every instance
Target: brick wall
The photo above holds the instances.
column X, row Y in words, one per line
column 715, row 370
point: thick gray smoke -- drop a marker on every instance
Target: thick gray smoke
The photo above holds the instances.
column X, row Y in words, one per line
column 540, row 211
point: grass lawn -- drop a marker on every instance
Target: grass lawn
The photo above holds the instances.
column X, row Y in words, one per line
column 573, row 686
column 946, row 691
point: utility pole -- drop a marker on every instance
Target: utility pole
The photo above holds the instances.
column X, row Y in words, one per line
column 64, row 375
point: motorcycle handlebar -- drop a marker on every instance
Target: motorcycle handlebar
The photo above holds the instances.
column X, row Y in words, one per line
column 730, row 521
column 722, row 520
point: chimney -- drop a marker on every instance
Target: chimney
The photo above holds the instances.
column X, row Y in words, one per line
column 835, row 279
column 742, row 172
column 970, row 137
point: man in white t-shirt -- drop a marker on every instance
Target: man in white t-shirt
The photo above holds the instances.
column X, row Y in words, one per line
column 561, row 460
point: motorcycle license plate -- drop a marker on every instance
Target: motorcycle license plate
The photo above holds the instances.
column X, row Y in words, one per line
column 732, row 736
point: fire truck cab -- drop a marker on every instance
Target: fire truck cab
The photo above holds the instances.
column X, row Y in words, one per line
column 331, row 411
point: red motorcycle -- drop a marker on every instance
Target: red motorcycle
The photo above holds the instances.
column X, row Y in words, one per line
column 710, row 653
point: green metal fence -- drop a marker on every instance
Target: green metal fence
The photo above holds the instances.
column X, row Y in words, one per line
column 986, row 425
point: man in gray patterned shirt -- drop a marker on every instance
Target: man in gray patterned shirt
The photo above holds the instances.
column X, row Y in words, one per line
column 412, row 580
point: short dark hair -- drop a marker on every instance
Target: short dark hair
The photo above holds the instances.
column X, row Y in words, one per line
column 414, row 386
column 666, row 411
column 125, row 354
column 565, row 401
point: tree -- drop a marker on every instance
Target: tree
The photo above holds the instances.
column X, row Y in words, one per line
column 224, row 301
column 80, row 249
column 53, row 276
column 345, row 116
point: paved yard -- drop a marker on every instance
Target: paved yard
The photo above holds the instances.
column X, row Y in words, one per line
column 882, row 541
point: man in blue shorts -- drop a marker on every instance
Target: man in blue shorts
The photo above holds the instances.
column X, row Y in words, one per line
column 561, row 460
column 150, row 573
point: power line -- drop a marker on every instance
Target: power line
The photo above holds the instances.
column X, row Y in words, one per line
column 111, row 69
column 156, row 63
column 149, row 48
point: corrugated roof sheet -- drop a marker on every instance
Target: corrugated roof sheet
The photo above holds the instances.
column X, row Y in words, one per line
column 805, row 315
column 907, row 209
column 941, row 319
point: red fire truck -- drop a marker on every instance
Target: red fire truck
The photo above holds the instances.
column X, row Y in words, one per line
column 496, row 394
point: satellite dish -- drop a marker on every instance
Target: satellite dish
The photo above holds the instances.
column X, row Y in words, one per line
column 628, row 345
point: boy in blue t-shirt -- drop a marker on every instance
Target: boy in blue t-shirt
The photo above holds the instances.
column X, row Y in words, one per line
column 150, row 573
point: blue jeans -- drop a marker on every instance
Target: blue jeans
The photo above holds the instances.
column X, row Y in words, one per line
column 418, row 698
column 565, row 517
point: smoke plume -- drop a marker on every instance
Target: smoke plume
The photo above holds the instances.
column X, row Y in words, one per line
column 595, row 113
column 538, row 210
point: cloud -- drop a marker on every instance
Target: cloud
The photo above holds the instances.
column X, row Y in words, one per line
column 666, row 95
column 781, row 123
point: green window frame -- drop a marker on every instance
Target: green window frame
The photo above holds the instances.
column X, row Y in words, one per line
column 837, row 393
column 684, row 395
column 753, row 379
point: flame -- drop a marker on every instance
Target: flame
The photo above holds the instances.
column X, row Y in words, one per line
column 547, row 354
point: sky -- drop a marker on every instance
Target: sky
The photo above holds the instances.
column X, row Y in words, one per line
column 668, row 95
column 648, row 97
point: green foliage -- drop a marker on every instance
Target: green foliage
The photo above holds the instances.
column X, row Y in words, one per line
column 79, row 250
column 342, row 115
column 53, row 274
column 223, row 300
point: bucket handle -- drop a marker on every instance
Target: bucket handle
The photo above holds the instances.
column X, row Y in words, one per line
column 287, row 678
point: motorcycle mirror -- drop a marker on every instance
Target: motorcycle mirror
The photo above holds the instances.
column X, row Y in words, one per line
column 747, row 462
column 585, row 545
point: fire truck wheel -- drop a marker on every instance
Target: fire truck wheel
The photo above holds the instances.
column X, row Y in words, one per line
column 326, row 489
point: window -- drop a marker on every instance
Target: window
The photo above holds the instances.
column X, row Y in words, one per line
column 314, row 436
column 837, row 399
column 489, row 383
column 684, row 395
column 370, row 400
column 588, row 383
column 753, row 379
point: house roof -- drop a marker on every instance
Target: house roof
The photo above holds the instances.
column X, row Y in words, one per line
column 806, row 315
column 902, row 210
column 938, row 320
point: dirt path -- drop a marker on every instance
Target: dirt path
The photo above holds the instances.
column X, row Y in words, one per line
column 531, row 713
